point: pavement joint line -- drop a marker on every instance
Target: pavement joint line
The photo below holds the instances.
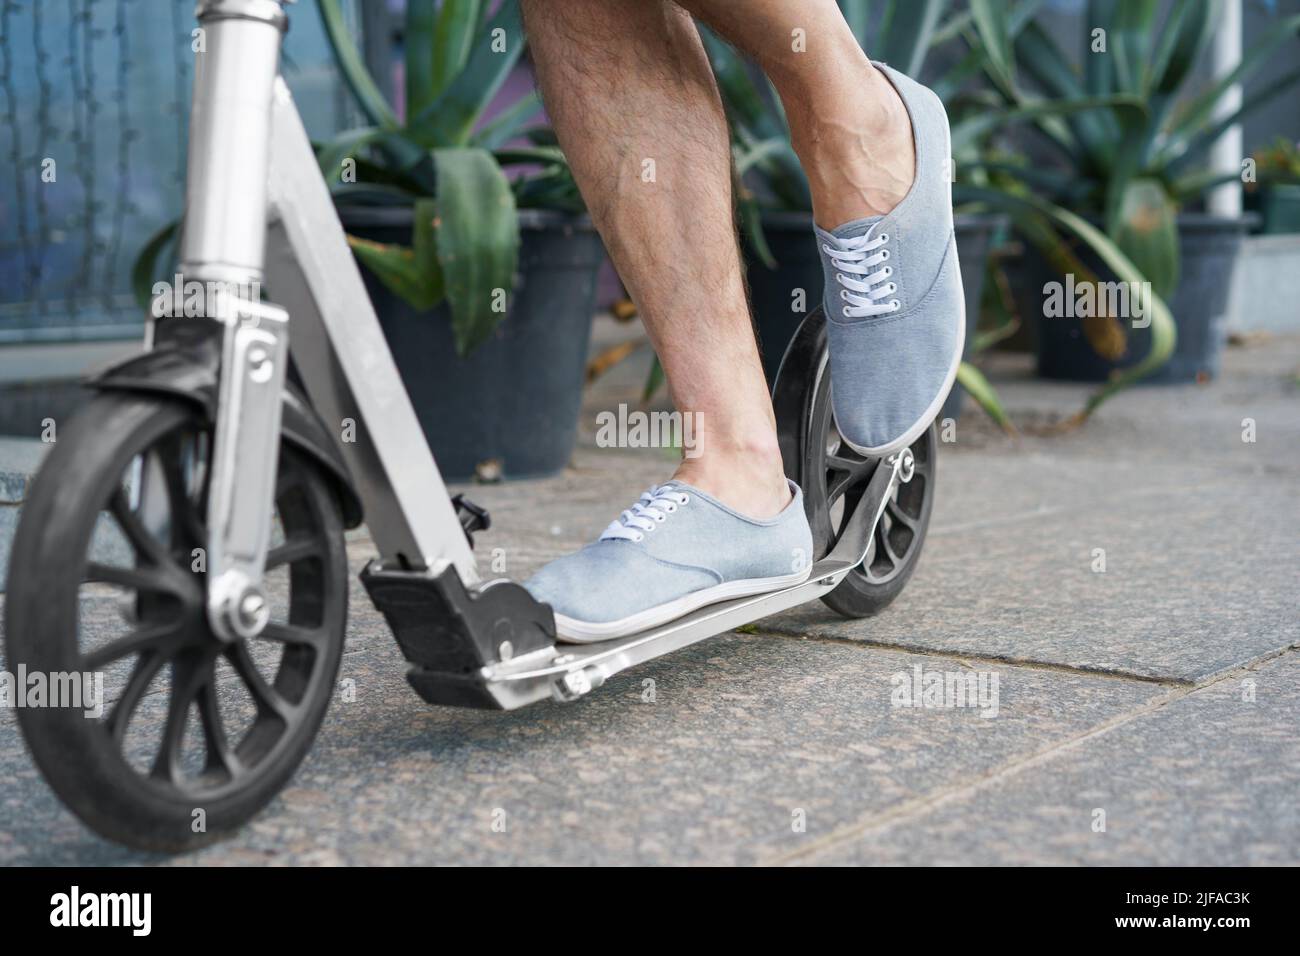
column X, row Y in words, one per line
column 1025, row 662
column 920, row 805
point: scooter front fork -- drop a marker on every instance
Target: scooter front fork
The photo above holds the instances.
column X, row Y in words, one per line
column 244, row 464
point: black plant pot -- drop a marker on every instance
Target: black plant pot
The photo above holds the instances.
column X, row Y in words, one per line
column 774, row 292
column 515, row 399
column 1209, row 248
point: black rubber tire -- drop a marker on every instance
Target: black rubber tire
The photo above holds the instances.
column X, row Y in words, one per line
column 79, row 756
column 810, row 442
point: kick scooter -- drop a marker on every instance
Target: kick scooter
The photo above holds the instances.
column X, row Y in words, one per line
column 185, row 536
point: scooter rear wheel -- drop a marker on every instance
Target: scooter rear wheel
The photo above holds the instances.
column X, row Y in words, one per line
column 195, row 735
column 833, row 478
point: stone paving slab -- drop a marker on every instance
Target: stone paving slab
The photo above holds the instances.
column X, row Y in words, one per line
column 1209, row 778
column 1199, row 577
column 744, row 731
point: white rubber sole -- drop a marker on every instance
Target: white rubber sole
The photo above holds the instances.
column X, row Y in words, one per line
column 573, row 631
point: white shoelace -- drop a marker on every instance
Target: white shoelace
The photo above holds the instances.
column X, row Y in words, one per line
column 863, row 296
column 648, row 513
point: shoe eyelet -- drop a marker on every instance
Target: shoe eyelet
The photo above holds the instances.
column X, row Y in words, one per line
column 888, row 271
column 684, row 499
column 640, row 537
column 844, row 294
column 884, row 237
column 896, row 304
column 661, row 518
column 845, row 310
column 670, row 508
column 884, row 254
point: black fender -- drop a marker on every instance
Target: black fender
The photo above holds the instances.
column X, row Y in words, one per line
column 185, row 363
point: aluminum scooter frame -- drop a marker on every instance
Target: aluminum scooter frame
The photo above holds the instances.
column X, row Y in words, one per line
column 353, row 383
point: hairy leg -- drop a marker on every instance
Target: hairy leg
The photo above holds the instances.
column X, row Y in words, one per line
column 848, row 126
column 629, row 90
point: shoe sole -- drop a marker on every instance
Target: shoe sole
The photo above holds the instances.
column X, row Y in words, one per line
column 573, row 631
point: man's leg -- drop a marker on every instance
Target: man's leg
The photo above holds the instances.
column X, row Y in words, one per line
column 847, row 124
column 629, row 90
column 876, row 147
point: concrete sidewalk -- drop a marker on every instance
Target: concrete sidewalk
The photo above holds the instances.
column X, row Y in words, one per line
column 1145, row 714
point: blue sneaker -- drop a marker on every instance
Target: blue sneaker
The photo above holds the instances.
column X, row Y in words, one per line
column 895, row 311
column 675, row 550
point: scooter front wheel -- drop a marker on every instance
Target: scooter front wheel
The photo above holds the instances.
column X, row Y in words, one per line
column 155, row 732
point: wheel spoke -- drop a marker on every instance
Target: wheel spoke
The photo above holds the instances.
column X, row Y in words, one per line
column 296, row 548
column 896, row 512
column 220, row 754
column 136, row 579
column 188, row 676
column 847, row 464
column 142, row 539
column 294, row 634
column 266, row 697
column 146, row 668
column 184, row 508
column 882, row 541
column 151, row 638
column 836, row 488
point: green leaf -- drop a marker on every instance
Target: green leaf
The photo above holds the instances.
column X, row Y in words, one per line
column 508, row 124
column 970, row 129
column 1148, row 233
column 425, row 247
column 978, row 388
column 1164, row 333
column 990, row 21
column 1129, row 43
column 421, row 69
column 1200, row 111
column 1098, row 68
column 1185, row 151
column 1191, row 187
column 396, row 267
column 449, row 119
column 477, row 238
column 911, row 28
column 458, row 22
column 1182, row 40
column 144, row 269
column 354, row 70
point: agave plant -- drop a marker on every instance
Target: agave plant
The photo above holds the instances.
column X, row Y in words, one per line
column 1127, row 136
column 1131, row 169
column 445, row 161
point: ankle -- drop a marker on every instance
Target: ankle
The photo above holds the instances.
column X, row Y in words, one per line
column 749, row 480
column 857, row 150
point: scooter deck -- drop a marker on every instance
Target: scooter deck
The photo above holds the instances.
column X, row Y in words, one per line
column 569, row 671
